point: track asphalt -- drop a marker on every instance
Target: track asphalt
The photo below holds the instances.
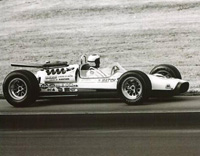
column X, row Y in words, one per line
column 176, row 112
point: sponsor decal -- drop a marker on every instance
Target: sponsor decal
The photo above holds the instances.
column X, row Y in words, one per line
column 168, row 87
column 66, row 85
column 51, row 90
column 65, row 89
column 69, row 76
column 45, row 86
column 60, row 87
column 63, row 76
column 63, row 79
column 51, row 77
column 106, row 80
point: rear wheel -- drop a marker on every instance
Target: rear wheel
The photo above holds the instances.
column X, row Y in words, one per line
column 166, row 70
column 134, row 87
column 21, row 88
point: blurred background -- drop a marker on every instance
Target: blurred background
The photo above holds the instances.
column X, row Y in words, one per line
column 137, row 34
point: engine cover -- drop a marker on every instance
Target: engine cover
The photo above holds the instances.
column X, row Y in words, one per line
column 58, row 75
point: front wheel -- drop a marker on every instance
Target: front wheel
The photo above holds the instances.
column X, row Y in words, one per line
column 134, row 87
column 21, row 88
column 166, row 70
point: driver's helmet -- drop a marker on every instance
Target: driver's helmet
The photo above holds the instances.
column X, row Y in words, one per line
column 94, row 60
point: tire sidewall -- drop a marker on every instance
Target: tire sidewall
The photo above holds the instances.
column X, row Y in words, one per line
column 31, row 92
column 173, row 71
column 144, row 93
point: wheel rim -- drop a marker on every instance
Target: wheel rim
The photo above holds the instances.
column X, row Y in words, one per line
column 132, row 88
column 17, row 89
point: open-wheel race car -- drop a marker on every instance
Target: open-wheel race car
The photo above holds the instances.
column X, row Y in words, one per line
column 22, row 87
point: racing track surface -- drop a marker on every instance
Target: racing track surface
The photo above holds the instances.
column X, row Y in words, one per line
column 178, row 119
column 181, row 111
column 103, row 106
column 96, row 142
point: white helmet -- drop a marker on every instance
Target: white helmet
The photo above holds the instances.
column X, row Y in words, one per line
column 94, row 58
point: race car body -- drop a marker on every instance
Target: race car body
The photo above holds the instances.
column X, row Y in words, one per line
column 60, row 79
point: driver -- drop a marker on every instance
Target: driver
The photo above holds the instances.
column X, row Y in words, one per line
column 94, row 62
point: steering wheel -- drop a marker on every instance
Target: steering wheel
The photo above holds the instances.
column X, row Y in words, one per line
column 92, row 68
column 114, row 70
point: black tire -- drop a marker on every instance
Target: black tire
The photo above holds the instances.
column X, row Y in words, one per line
column 134, row 87
column 148, row 83
column 166, row 70
column 21, row 88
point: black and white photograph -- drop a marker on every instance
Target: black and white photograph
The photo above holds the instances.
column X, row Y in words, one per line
column 99, row 77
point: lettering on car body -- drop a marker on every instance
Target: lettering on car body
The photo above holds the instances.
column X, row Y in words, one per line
column 61, row 79
column 106, row 80
column 45, row 86
column 51, row 77
column 66, row 85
